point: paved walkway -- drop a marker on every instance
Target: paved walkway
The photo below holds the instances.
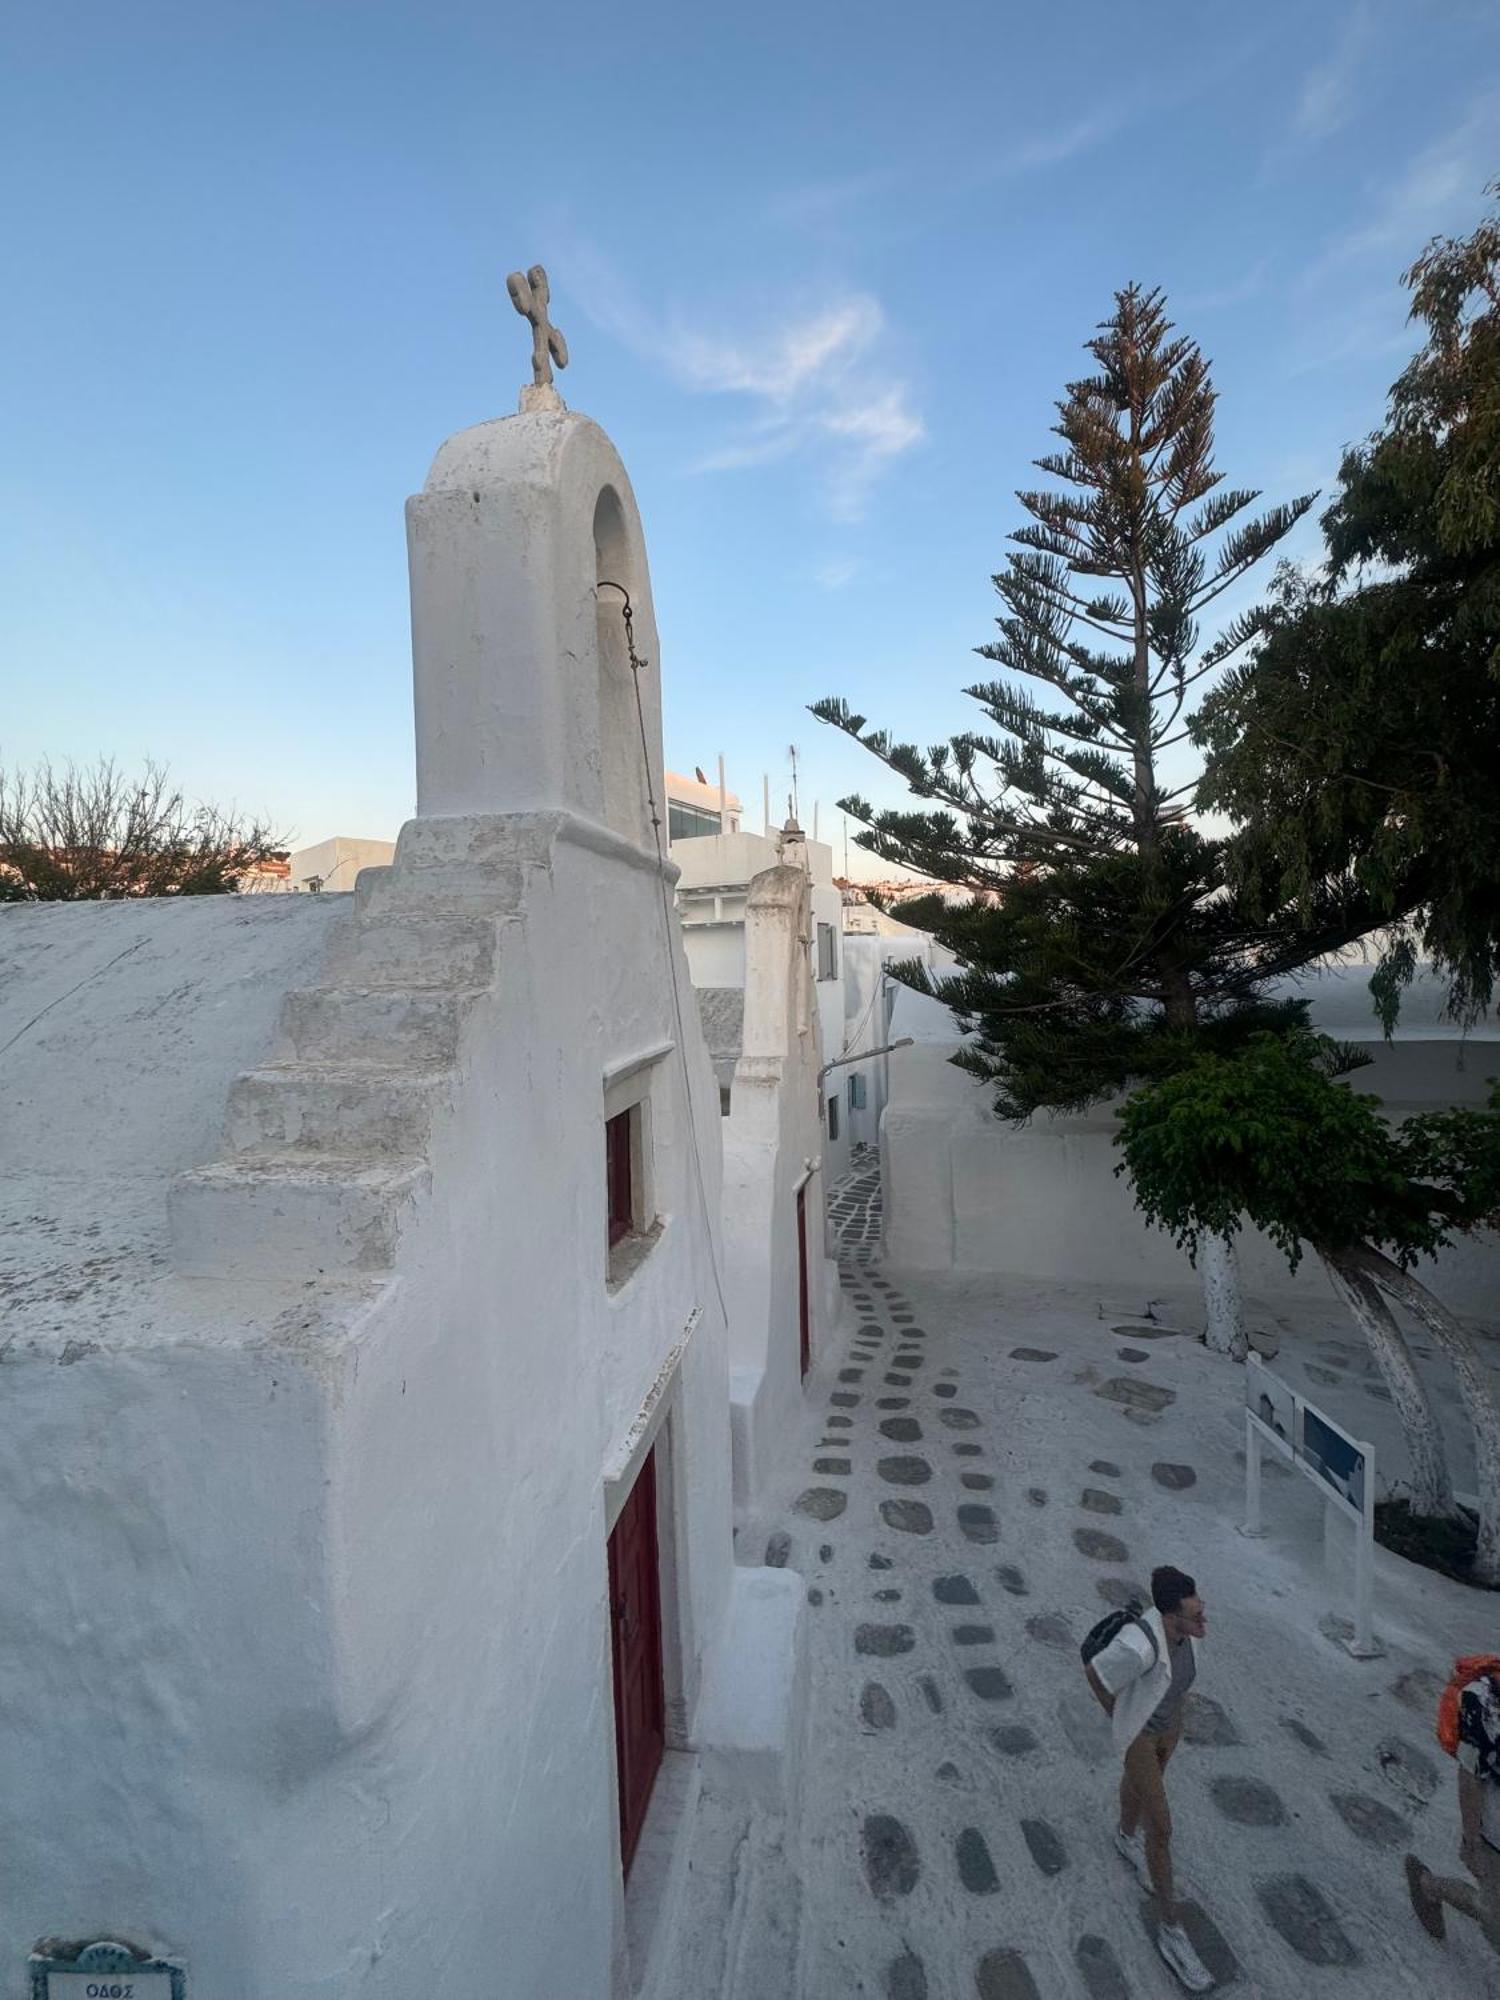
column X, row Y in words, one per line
column 981, row 1474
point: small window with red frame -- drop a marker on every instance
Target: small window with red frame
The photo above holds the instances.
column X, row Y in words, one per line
column 619, row 1172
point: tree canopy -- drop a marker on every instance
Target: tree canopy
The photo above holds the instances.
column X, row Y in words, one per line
column 76, row 836
column 1358, row 747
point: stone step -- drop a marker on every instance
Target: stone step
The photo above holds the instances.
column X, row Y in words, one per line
column 420, row 948
column 274, row 1216
column 439, row 887
column 376, row 1024
column 348, row 1108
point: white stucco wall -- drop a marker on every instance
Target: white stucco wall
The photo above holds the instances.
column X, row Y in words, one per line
column 304, row 1511
column 772, row 1144
column 967, row 1191
column 335, row 863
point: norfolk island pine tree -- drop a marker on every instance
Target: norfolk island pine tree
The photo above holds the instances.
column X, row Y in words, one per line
column 1117, row 950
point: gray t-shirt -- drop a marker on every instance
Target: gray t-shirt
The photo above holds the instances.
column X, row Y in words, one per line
column 1184, row 1672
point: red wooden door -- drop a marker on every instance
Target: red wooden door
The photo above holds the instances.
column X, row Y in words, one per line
column 635, row 1627
column 804, row 1326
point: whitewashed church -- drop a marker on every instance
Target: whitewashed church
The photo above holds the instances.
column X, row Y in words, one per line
column 372, row 1612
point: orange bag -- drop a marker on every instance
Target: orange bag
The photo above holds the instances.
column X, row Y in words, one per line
column 1466, row 1669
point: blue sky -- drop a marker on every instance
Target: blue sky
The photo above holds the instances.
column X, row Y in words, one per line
column 823, row 270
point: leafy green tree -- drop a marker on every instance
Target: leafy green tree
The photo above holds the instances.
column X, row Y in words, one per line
column 1360, row 743
column 1115, row 951
column 1269, row 1135
column 77, row 836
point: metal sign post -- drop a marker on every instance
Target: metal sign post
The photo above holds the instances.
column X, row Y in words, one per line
column 1340, row 1466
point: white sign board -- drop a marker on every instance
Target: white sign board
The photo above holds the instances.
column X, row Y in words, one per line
column 109, row 1986
column 1341, row 1466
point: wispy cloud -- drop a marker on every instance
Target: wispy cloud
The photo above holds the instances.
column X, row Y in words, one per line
column 836, row 574
column 1050, row 149
column 1441, row 185
column 1327, row 99
column 820, row 386
column 1217, row 297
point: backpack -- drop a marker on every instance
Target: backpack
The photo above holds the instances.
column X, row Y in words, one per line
column 1110, row 1627
column 1469, row 1712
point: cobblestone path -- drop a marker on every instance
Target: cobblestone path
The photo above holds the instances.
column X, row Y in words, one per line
column 977, row 1482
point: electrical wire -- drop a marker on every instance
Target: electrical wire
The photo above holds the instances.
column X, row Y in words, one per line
column 636, row 664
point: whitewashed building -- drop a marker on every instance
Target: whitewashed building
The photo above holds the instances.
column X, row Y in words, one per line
column 365, row 1514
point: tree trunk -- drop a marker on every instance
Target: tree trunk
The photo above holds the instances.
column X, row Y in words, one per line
column 1432, row 1489
column 1474, row 1385
column 1224, row 1320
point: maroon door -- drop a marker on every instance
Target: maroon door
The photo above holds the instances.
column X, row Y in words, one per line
column 635, row 1625
column 804, row 1326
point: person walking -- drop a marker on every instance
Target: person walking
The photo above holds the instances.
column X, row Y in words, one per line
column 1140, row 1676
column 1469, row 1729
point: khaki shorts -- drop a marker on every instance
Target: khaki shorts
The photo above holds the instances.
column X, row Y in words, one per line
column 1145, row 1765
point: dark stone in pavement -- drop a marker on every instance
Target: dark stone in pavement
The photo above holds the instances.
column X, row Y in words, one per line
column 887, row 1597
column 839, row 1423
column 878, row 1561
column 844, row 1399
column 1175, row 1478
column 1205, row 1723
column 1135, row 1394
column 977, row 1482
column 968, row 1450
column 1105, row 1467
column 1203, row 1934
column 1145, row 1332
column 949, row 1773
column 1304, row 1735
column 877, row 1710
column 834, row 1467
column 1032, row 1354
column 989, row 1683
column 1101, row 1547
column 815, row 1596
column 975, row 1868
column 1014, row 1740
column 954, row 1590
column 904, row 1471
column 901, row 1430
column 1370, row 1821
column 851, row 1374
column 932, row 1694
column 977, row 1522
column 1132, row 1354
column 898, row 1381
column 1096, row 1501
column 1002, row 1975
column 959, row 1419
column 944, row 1389
column 825, row 1552
column 906, row 1978
column 1407, row 1770
column 1086, row 1727
column 1037, row 1495
column 890, row 1856
column 1298, row 1910
column 778, row 1548
column 1012, row 1581
column 1050, row 1628
column 973, row 1635
column 912, row 1517
column 1419, row 1691
column 1047, row 1850
column 884, row 1642
column 906, row 1360
column 824, row 1503
column 1247, row 1802
column 893, row 1402
column 1116, row 1591
column 1100, row 1970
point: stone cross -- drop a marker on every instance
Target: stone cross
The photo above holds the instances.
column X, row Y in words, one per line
column 530, row 295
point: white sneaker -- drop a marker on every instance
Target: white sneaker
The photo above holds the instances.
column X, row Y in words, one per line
column 1133, row 1847
column 1176, row 1947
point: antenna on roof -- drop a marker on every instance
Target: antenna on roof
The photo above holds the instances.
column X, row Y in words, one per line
column 792, row 753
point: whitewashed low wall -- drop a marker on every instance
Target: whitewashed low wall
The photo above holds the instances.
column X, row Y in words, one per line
column 966, row 1191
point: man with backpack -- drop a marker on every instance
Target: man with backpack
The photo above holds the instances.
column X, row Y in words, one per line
column 1469, row 1730
column 1140, row 1665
